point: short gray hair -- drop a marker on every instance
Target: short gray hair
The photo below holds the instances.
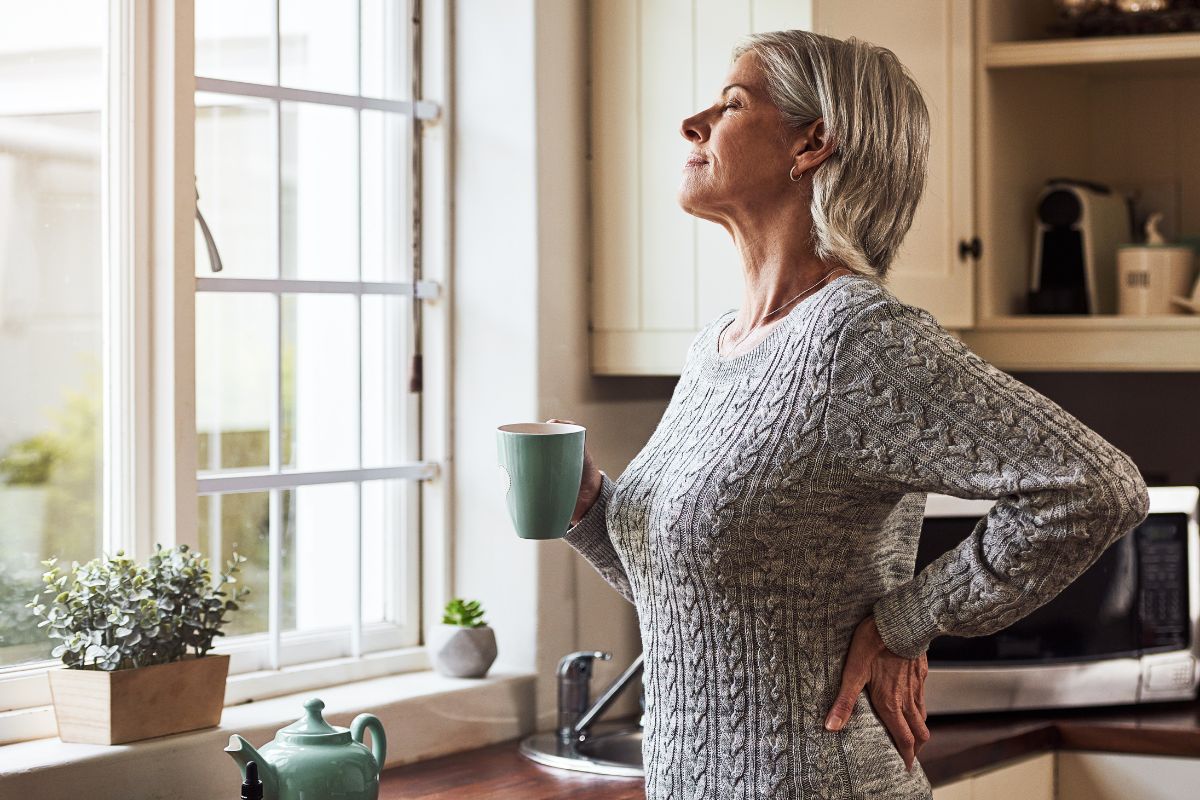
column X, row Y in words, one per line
column 866, row 192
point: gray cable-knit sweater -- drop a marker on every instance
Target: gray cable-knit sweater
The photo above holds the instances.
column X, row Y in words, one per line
column 778, row 503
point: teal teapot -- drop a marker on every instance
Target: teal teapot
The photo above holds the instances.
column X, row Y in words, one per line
column 311, row 758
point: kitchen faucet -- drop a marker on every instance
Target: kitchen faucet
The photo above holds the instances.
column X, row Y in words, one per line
column 575, row 717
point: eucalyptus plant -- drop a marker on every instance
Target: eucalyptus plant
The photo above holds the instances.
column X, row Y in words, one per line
column 112, row 613
column 467, row 614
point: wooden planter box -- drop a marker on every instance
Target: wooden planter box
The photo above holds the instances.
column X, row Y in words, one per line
column 97, row 707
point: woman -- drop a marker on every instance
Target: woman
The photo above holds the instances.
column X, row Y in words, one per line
column 767, row 531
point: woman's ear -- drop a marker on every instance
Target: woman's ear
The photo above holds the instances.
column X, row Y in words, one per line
column 814, row 145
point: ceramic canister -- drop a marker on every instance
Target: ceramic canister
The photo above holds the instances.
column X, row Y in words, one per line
column 1148, row 276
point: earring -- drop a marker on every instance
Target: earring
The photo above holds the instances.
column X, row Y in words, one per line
column 796, row 179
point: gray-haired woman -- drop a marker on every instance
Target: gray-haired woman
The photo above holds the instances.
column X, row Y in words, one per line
column 767, row 531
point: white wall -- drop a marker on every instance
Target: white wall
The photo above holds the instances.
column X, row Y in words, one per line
column 521, row 331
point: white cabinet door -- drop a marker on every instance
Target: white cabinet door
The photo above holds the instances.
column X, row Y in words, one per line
column 1118, row 776
column 959, row 790
column 932, row 38
column 1031, row 778
column 658, row 273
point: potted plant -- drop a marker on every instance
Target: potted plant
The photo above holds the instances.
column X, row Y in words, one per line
column 135, row 640
column 463, row 645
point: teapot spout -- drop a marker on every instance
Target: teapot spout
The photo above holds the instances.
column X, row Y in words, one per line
column 242, row 751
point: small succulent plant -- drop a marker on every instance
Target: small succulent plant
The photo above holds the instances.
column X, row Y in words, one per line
column 465, row 613
column 112, row 613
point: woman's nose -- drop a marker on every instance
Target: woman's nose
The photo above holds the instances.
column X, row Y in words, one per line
column 694, row 129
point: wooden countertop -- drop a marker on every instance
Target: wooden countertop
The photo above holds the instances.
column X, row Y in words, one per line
column 958, row 745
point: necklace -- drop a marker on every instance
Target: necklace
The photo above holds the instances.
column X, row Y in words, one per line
column 721, row 335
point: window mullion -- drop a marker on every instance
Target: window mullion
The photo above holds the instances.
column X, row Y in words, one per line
column 118, row 307
column 172, row 467
column 275, row 520
column 356, row 607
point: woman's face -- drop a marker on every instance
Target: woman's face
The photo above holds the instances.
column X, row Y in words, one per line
column 746, row 150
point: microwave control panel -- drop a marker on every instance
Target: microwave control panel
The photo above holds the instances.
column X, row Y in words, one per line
column 1162, row 595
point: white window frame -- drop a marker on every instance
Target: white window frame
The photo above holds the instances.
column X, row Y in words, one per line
column 150, row 484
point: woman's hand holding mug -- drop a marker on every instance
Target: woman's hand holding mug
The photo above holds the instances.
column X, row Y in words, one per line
column 589, row 483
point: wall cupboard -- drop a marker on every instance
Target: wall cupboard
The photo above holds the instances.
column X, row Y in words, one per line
column 1010, row 108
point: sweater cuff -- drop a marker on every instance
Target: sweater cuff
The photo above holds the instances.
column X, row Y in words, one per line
column 904, row 622
column 584, row 533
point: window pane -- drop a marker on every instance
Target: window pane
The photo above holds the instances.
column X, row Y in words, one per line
column 235, row 178
column 318, row 45
column 233, row 40
column 386, row 397
column 320, row 192
column 386, row 214
column 52, row 89
column 320, row 381
column 385, row 547
column 318, row 556
column 229, row 522
column 385, row 49
column 235, row 336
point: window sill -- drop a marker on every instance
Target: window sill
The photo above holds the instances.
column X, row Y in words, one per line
column 424, row 714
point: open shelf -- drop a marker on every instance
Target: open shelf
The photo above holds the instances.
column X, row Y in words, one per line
column 1116, row 110
column 1014, row 346
column 1090, row 322
column 1139, row 54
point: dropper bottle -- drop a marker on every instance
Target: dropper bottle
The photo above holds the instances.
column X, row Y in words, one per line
column 252, row 787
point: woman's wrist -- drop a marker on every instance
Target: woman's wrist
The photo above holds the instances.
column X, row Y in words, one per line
column 873, row 636
column 590, row 495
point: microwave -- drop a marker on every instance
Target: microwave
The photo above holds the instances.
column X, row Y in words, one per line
column 1125, row 631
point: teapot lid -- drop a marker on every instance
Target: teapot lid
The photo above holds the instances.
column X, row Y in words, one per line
column 312, row 727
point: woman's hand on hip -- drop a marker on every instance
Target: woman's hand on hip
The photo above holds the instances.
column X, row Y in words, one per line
column 896, row 686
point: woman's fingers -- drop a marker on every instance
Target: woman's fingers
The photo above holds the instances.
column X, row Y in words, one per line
column 891, row 713
column 913, row 704
column 854, row 678
column 918, row 715
column 921, row 689
column 917, row 726
column 856, row 672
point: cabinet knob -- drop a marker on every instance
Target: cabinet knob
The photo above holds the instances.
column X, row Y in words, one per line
column 969, row 248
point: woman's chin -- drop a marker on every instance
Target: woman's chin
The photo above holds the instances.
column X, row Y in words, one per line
column 691, row 200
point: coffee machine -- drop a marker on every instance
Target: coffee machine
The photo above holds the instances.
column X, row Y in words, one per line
column 1076, row 230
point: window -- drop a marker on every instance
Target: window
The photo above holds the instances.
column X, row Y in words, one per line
column 52, row 276
column 304, row 422
column 279, row 409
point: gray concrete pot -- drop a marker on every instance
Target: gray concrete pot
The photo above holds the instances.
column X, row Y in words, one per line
column 460, row 652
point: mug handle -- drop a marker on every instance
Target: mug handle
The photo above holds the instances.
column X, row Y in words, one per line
column 378, row 737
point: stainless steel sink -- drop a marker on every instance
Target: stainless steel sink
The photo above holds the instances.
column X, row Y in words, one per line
column 622, row 746
column 580, row 742
column 614, row 748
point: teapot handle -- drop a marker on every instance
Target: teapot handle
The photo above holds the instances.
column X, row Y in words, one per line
column 378, row 737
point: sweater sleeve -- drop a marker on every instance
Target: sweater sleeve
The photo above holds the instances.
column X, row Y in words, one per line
column 912, row 408
column 590, row 538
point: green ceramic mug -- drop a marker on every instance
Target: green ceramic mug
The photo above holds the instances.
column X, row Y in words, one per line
column 543, row 466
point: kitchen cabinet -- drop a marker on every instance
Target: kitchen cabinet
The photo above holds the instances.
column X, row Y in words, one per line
column 1009, row 109
column 1030, row 778
column 1119, row 776
column 658, row 273
column 932, row 38
column 1109, row 109
column 1072, row 775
